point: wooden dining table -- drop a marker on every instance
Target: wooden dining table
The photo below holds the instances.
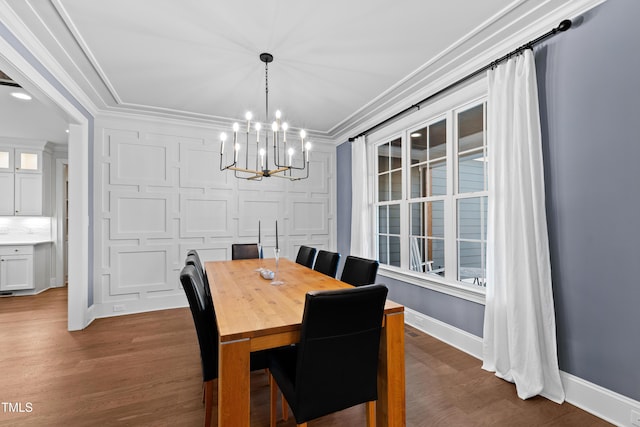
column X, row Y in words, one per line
column 253, row 314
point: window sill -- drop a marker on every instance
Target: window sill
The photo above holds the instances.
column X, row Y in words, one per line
column 459, row 291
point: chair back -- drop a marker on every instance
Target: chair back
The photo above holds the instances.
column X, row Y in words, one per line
column 244, row 251
column 306, row 256
column 194, row 259
column 359, row 271
column 203, row 319
column 337, row 361
column 327, row 263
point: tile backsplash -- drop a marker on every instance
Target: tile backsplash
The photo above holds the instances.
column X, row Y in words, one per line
column 27, row 228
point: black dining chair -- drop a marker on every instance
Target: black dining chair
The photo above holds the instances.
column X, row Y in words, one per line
column 244, row 251
column 327, row 263
column 306, row 256
column 335, row 364
column 204, row 319
column 359, row 271
column 194, row 259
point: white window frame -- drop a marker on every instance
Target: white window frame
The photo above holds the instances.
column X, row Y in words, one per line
column 459, row 100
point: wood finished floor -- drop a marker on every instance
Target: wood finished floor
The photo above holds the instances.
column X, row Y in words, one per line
column 144, row 370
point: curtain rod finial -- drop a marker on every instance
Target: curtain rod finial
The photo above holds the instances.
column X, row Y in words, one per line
column 564, row 25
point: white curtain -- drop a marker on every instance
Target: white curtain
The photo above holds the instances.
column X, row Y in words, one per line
column 360, row 216
column 519, row 342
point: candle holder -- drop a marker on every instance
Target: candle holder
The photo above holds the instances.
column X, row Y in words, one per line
column 275, row 275
column 260, row 257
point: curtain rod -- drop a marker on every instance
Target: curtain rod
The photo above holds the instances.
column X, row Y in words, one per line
column 563, row 26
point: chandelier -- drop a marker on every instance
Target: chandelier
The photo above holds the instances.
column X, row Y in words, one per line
column 285, row 161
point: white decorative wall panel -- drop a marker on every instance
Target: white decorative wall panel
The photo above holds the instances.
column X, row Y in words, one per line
column 309, row 216
column 135, row 215
column 138, row 163
column 160, row 193
column 140, row 268
column 201, row 216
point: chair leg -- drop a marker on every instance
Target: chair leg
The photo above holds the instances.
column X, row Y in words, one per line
column 273, row 392
column 285, row 408
column 208, row 402
column 371, row 413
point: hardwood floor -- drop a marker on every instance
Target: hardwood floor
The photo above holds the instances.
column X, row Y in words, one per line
column 144, row 370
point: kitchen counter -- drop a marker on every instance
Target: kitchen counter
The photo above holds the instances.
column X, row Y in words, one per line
column 24, row 242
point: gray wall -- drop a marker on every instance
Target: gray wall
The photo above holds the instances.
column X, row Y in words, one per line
column 589, row 87
column 590, row 108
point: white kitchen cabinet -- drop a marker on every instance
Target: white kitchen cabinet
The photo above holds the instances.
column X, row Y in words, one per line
column 21, row 181
column 16, row 268
column 7, row 200
column 28, row 194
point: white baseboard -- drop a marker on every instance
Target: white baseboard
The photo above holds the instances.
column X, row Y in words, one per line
column 599, row 401
column 122, row 308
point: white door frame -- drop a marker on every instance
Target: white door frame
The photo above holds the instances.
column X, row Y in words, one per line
column 14, row 64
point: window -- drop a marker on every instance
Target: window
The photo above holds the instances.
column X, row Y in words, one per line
column 431, row 206
column 389, row 196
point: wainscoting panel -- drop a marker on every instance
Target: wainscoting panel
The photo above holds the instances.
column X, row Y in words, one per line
column 160, row 192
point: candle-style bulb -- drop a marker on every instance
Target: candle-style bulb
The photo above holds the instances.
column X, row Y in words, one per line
column 258, row 127
column 223, row 136
column 274, row 126
column 236, row 127
column 248, row 116
column 278, row 114
column 285, row 126
column 303, row 134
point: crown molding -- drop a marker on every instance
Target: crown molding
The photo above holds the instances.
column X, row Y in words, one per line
column 507, row 30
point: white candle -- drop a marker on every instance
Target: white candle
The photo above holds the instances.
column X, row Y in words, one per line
column 262, row 152
column 290, row 155
column 236, row 127
column 285, row 126
column 308, row 147
column 258, row 132
column 223, row 138
column 248, row 116
column 235, row 154
column 302, row 136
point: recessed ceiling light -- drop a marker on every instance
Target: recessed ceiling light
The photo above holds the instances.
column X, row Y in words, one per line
column 416, row 135
column 21, row 95
column 67, row 130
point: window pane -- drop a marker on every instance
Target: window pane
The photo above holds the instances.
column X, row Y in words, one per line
column 418, row 181
column 438, row 140
column 394, row 219
column 470, row 218
column 419, row 144
column 383, row 158
column 394, row 251
column 471, row 150
column 471, row 172
column 383, row 187
column 396, row 154
column 438, row 178
column 435, row 254
column 436, row 218
column 471, row 262
column 396, row 185
column 383, row 250
column 416, row 254
column 383, row 217
column 416, row 219
column 471, row 128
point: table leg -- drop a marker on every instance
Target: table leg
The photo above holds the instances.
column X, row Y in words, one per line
column 390, row 408
column 234, row 383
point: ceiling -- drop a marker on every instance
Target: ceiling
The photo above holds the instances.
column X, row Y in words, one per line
column 199, row 60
